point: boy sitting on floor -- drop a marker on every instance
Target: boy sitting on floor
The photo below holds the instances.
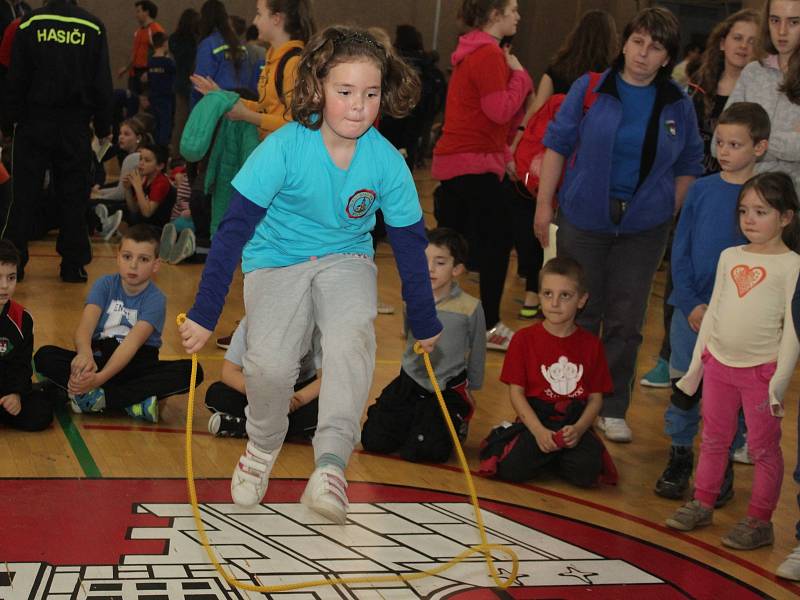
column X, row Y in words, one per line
column 115, row 363
column 21, row 407
column 406, row 418
column 556, row 374
column 227, row 399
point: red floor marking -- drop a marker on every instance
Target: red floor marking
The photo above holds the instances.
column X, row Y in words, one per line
column 89, row 522
column 143, row 428
column 761, row 572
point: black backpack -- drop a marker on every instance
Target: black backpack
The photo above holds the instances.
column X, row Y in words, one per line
column 281, row 68
column 434, row 91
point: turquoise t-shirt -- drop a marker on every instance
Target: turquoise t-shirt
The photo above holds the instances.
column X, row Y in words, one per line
column 637, row 106
column 314, row 208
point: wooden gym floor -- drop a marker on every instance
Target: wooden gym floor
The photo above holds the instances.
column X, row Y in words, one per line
column 58, row 487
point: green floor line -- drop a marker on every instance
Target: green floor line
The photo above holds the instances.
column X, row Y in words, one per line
column 78, row 446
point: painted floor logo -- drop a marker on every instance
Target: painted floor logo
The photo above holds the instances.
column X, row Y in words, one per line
column 136, row 539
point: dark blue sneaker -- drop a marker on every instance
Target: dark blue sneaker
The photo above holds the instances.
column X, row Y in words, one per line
column 146, row 410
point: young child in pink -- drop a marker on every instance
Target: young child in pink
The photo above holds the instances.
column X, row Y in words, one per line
column 745, row 353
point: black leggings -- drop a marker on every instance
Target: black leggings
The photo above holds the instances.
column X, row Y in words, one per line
column 479, row 208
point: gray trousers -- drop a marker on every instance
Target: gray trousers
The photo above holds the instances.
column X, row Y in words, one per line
column 619, row 273
column 338, row 294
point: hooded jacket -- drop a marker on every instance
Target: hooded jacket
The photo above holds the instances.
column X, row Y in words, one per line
column 59, row 68
column 483, row 96
column 672, row 148
column 230, row 143
column 275, row 114
column 216, row 60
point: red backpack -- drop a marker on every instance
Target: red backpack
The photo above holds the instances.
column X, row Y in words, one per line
column 530, row 150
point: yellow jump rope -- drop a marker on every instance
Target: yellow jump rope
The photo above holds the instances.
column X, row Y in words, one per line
column 484, row 548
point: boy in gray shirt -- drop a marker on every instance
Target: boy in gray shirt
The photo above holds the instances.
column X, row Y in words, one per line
column 406, row 417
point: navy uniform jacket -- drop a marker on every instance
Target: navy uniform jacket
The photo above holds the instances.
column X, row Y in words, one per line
column 60, row 69
column 16, row 348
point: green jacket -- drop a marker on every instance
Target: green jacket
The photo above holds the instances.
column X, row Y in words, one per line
column 230, row 142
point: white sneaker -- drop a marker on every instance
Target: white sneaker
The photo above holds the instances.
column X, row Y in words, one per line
column 385, row 309
column 790, row 567
column 742, row 455
column 615, row 430
column 184, row 247
column 326, row 493
column 101, row 210
column 251, row 476
column 110, row 226
column 499, row 337
column 168, row 237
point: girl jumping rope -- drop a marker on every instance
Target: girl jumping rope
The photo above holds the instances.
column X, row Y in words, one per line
column 303, row 206
column 745, row 353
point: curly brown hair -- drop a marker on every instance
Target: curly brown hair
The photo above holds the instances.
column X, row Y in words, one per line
column 712, row 63
column 400, row 85
column 791, row 82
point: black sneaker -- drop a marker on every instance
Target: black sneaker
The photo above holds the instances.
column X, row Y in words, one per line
column 225, row 425
column 726, row 490
column 74, row 275
column 674, row 481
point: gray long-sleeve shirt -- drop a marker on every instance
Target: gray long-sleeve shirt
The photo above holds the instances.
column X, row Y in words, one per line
column 759, row 83
column 462, row 345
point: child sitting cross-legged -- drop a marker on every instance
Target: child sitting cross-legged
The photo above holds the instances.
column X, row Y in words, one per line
column 227, row 399
column 406, row 418
column 556, row 374
column 115, row 364
column 149, row 195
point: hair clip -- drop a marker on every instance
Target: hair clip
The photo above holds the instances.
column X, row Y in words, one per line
column 358, row 38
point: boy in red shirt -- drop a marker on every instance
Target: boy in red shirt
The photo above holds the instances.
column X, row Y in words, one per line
column 556, row 374
column 149, row 195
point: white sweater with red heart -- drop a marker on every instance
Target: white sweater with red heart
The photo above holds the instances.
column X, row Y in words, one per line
column 749, row 319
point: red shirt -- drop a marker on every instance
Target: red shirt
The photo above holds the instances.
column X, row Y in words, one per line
column 8, row 42
column 142, row 41
column 556, row 369
column 158, row 189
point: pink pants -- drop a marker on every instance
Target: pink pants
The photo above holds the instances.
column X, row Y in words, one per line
column 725, row 389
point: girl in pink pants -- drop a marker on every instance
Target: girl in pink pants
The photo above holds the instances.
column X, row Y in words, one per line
column 745, row 353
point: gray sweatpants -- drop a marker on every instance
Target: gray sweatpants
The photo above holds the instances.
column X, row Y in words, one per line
column 336, row 293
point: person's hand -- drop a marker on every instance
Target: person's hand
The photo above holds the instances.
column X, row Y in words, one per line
column 82, row 363
column 193, row 336
column 544, row 439
column 203, row 84
column 511, row 170
column 12, row 403
column 122, row 71
column 695, row 317
column 135, row 179
column 126, row 181
column 541, row 223
column 83, row 383
column 429, row 344
column 239, row 112
column 513, row 62
column 572, row 435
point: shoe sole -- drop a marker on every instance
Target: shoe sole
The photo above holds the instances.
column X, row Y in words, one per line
column 670, row 492
column 678, row 526
column 786, row 574
column 652, row 384
column 333, row 515
column 731, row 544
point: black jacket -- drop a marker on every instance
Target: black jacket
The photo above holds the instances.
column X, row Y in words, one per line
column 59, row 68
column 16, row 348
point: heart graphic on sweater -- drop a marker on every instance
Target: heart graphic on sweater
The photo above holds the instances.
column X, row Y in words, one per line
column 747, row 278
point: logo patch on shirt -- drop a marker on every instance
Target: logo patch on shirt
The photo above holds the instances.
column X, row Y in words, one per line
column 672, row 128
column 563, row 377
column 359, row 203
column 5, row 346
column 746, row 278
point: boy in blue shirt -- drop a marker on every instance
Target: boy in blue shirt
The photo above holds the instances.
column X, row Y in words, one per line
column 406, row 418
column 115, row 363
column 708, row 225
column 161, row 88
